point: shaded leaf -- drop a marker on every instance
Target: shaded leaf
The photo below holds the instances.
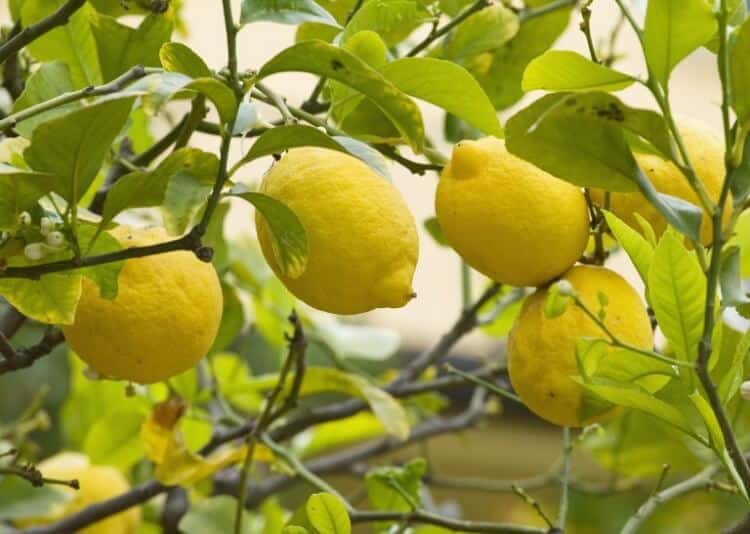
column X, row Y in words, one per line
column 214, row 515
column 393, row 20
column 73, row 146
column 289, row 238
column 277, row 140
column 488, row 29
column 19, row 191
column 48, row 81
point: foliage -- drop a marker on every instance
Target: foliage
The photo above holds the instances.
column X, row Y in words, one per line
column 99, row 128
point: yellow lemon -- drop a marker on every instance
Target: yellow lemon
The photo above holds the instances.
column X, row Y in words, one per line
column 706, row 154
column 164, row 319
column 508, row 219
column 362, row 240
column 541, row 350
column 97, row 483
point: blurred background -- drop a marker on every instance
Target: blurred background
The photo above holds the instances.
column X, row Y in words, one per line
column 515, row 444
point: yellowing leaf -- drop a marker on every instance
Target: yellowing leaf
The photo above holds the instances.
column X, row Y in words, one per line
column 164, row 445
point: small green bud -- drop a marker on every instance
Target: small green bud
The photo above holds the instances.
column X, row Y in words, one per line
column 55, row 239
column 35, row 251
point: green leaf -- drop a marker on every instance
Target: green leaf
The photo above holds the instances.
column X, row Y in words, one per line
column 323, row 59
column 327, row 514
column 677, row 293
column 740, row 74
column 48, row 81
column 289, row 238
column 73, row 146
column 52, row 299
column 483, row 31
column 730, row 383
column 500, row 71
column 635, row 245
column 121, row 47
column 366, row 153
column 214, row 515
column 393, row 20
column 19, row 191
column 432, row 225
column 445, row 85
column 571, row 136
column 674, row 29
column 709, row 418
column 115, row 440
column 633, row 396
column 563, row 70
column 681, row 214
column 380, row 483
column 72, row 43
column 277, row 140
column 730, row 279
column 20, row 500
column 184, row 197
column 285, row 12
column 142, row 189
column 94, row 243
column 177, row 57
column 740, row 185
column 555, row 303
column 218, row 93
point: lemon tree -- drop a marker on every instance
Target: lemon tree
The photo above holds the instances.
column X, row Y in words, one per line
column 193, row 241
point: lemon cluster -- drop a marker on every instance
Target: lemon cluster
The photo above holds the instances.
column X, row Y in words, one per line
column 521, row 226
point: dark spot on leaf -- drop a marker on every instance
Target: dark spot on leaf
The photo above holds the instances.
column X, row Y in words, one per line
column 337, row 65
column 571, row 102
column 551, row 394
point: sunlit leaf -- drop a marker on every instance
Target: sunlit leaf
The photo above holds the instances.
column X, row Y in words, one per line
column 677, row 293
column 563, row 70
column 635, row 245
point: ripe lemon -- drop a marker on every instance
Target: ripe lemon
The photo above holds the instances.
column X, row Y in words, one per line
column 97, row 483
column 706, row 154
column 164, row 319
column 508, row 219
column 541, row 350
column 362, row 240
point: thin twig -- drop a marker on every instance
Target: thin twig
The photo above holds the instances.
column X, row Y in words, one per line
column 294, row 358
column 118, row 84
column 457, row 525
column 567, row 450
column 25, row 357
column 35, row 477
column 437, row 33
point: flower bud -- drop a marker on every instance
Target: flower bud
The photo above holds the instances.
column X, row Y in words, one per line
column 745, row 390
column 35, row 251
column 24, row 218
column 55, row 239
column 565, row 288
column 46, row 225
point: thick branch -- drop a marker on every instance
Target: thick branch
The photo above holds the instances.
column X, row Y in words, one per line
column 30, row 33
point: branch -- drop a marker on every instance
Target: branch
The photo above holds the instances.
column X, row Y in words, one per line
column 118, row 84
column 295, row 358
column 701, row 481
column 35, row 477
column 22, row 358
column 437, row 33
column 457, row 525
column 190, row 241
column 344, row 459
column 29, row 34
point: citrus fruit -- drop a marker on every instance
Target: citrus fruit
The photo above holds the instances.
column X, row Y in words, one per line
column 541, row 350
column 164, row 319
column 362, row 240
column 706, row 153
column 508, row 219
column 97, row 483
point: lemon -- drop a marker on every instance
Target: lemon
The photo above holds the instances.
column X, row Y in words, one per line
column 362, row 240
column 97, row 483
column 706, row 153
column 508, row 219
column 164, row 319
column 541, row 350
